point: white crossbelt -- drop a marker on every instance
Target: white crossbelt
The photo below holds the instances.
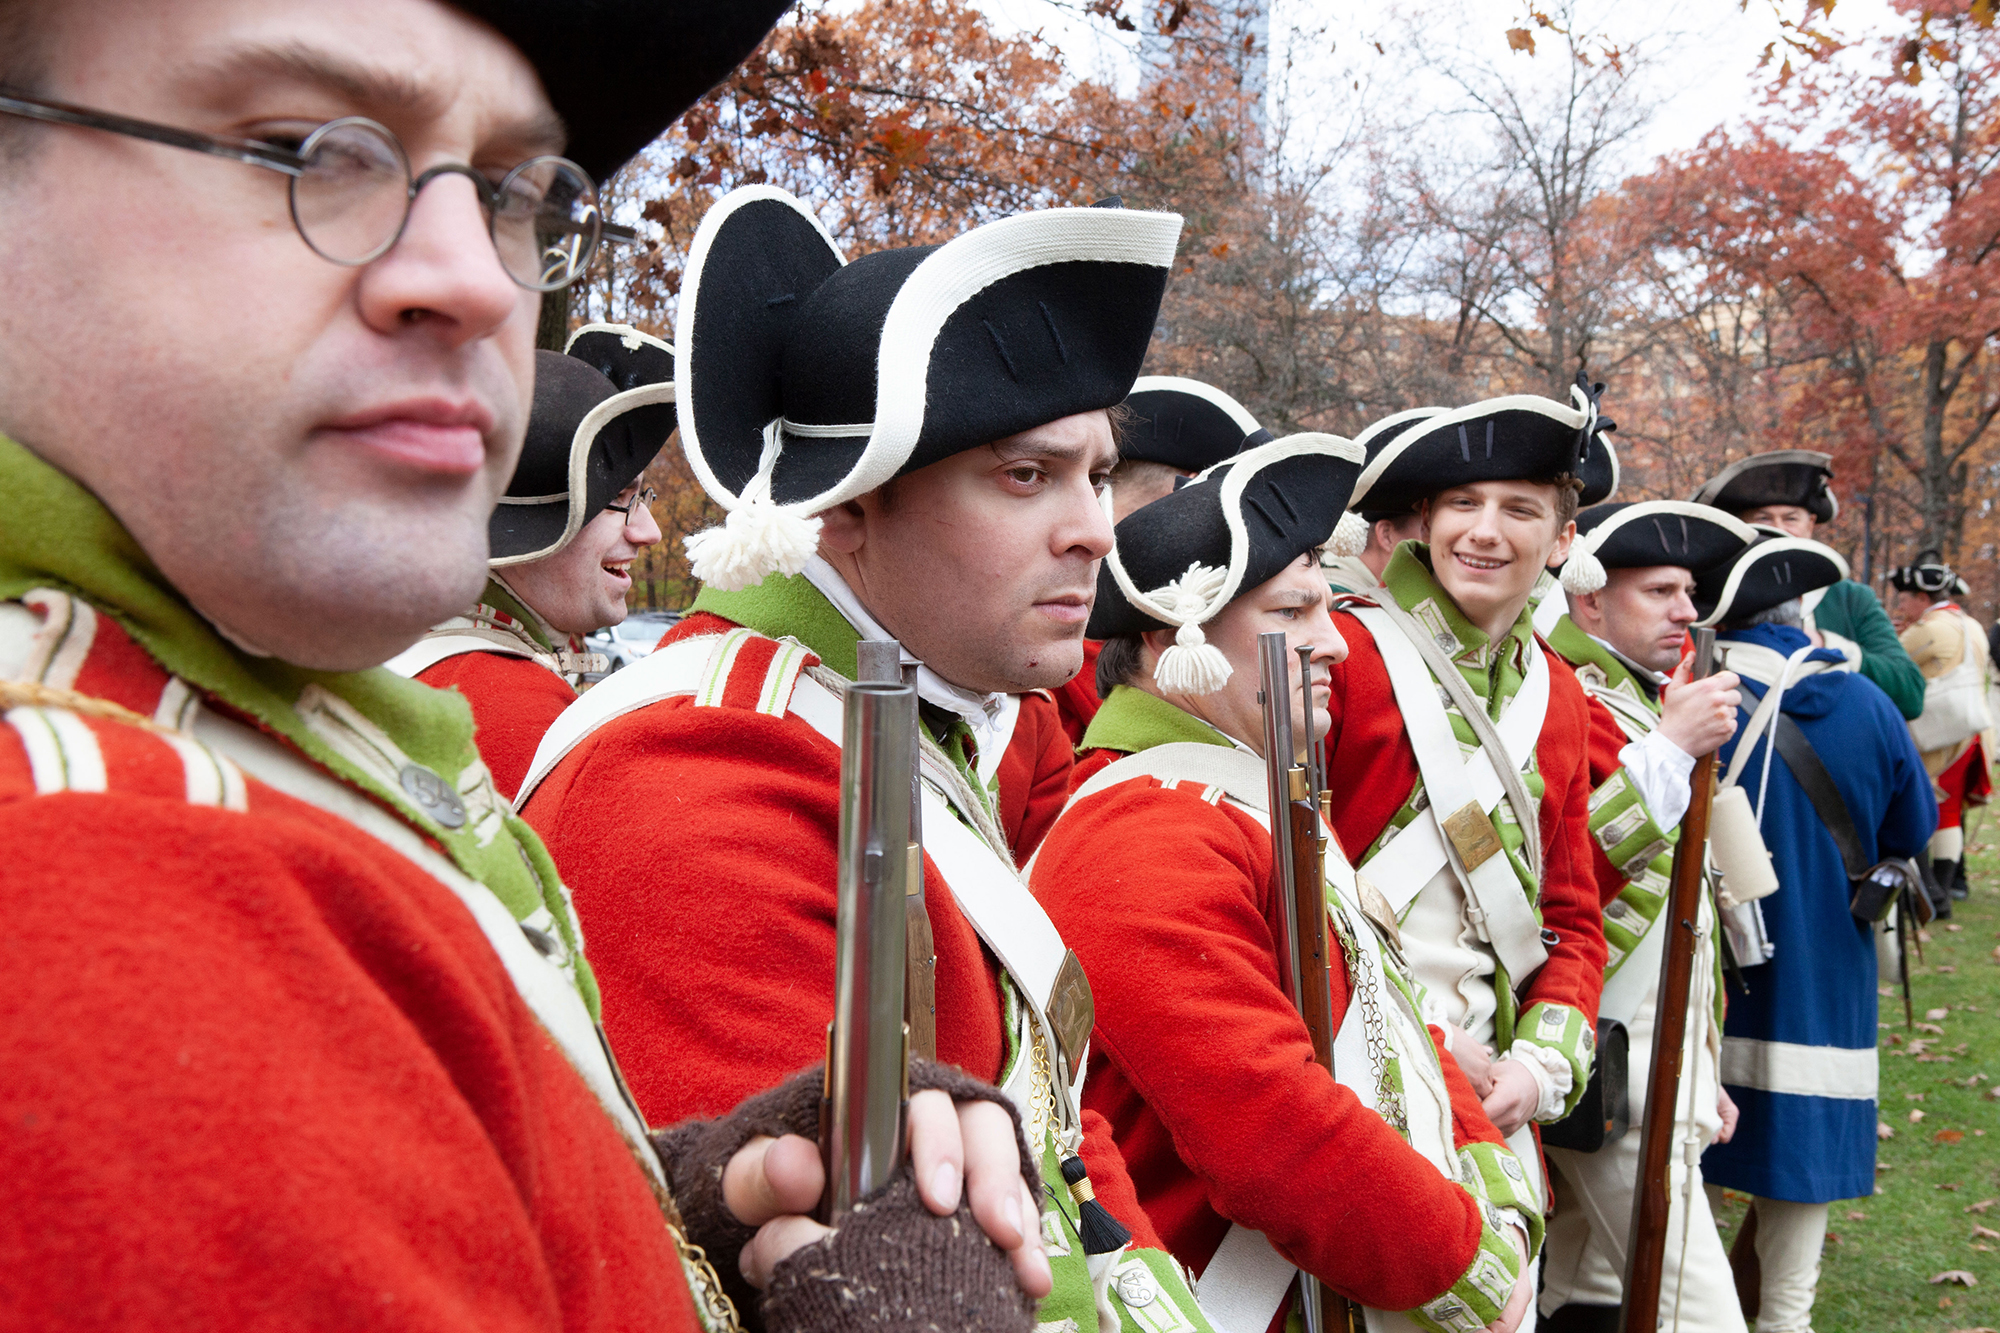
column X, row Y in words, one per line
column 1494, row 899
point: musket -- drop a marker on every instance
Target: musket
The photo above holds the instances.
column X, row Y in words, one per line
column 1646, row 1248
column 881, row 661
column 1298, row 871
column 865, row 1103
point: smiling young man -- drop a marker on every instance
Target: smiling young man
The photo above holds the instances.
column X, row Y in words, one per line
column 910, row 446
column 1459, row 748
column 1390, row 1185
column 1649, row 723
column 266, row 903
column 1792, row 490
column 563, row 539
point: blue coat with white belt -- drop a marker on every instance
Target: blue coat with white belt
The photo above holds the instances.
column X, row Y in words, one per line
column 1799, row 1053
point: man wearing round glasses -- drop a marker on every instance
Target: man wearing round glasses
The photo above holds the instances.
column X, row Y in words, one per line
column 297, row 1023
column 563, row 540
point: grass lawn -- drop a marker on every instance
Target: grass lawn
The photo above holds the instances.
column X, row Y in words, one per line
column 1935, row 1174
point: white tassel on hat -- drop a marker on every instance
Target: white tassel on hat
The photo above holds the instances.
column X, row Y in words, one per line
column 1350, row 535
column 1583, row 572
column 758, row 538
column 1192, row 665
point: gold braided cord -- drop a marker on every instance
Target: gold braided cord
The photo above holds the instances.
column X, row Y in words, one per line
column 34, row 694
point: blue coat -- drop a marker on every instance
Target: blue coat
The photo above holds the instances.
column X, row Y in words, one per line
column 1808, row 1023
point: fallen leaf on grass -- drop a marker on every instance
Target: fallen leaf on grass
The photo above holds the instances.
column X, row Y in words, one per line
column 1913, row 1096
column 1954, row 926
column 1931, row 1028
column 1981, row 1206
column 1992, row 1094
column 1856, row 1215
column 1882, row 1131
column 1978, row 1232
column 1833, row 1238
column 1956, row 1276
column 1949, row 1136
column 1946, row 970
column 1935, row 1014
column 1916, row 1117
column 1936, row 1059
column 1884, row 991
column 1951, row 1185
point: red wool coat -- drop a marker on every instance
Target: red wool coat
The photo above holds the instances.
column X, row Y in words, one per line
column 1078, row 701
column 260, row 1070
column 1205, row 1072
column 515, row 700
column 1034, row 775
column 1607, row 738
column 700, row 846
column 1372, row 770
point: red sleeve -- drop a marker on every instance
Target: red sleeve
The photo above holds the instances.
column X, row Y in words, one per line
column 261, row 1071
column 700, row 846
column 1111, row 1181
column 1469, row 1121
column 514, row 703
column 1181, row 956
column 1034, row 776
column 1574, row 974
column 1607, row 739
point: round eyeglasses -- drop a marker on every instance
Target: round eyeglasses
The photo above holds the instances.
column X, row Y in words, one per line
column 640, row 503
column 352, row 191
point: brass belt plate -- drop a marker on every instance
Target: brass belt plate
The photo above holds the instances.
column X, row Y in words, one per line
column 1473, row 834
column 1072, row 1012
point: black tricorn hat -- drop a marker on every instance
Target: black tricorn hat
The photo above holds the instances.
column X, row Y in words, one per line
column 1350, row 535
column 602, row 412
column 806, row 381
column 1771, row 571
column 1929, row 575
column 1186, row 424
column 619, row 71
column 1516, row 438
column 1639, row 534
column 1184, row 557
column 1801, row 477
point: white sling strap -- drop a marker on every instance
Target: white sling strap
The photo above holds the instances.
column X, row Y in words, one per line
column 672, row 670
column 1494, row 899
column 539, row 981
column 428, row 651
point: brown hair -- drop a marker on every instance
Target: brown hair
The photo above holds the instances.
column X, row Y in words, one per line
column 1118, row 663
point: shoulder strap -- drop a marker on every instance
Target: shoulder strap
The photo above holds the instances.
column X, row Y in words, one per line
column 1526, row 813
column 1804, row 761
column 436, row 647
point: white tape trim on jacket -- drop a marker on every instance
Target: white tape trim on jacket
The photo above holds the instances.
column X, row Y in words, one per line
column 1413, row 856
column 1802, row 1071
column 428, row 651
column 544, row 987
column 662, row 674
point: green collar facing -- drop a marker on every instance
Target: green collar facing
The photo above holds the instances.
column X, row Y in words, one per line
column 503, row 598
column 788, row 606
column 1580, row 649
column 1411, row 580
column 1132, row 720
column 55, row 534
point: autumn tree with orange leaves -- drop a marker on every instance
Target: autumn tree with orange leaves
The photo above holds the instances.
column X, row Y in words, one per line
column 1861, row 218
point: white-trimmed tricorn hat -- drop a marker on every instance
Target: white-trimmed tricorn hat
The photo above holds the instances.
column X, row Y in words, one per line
column 1641, row 534
column 1179, row 560
column 1929, row 575
column 806, row 381
column 1768, row 573
column 1186, row 424
column 1802, row 477
column 603, row 410
column 1350, row 535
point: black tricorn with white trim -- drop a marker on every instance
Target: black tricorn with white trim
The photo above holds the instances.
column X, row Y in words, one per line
column 619, row 71
column 1350, row 535
column 1185, row 424
column 806, row 381
column 1802, row 477
column 1929, row 575
column 1769, row 573
column 1642, row 534
column 1182, row 558
column 603, row 411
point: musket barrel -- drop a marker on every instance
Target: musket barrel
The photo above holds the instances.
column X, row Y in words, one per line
column 867, row 1059
column 1275, row 690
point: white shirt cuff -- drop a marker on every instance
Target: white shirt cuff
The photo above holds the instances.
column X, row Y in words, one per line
column 1551, row 1075
column 1660, row 770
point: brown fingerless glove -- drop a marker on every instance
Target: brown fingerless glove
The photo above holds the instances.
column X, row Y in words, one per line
column 891, row 1264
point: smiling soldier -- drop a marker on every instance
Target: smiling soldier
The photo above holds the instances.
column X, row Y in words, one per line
column 563, row 539
column 297, row 1029
column 910, row 446
column 1459, row 746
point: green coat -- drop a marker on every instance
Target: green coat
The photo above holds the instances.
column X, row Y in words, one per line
column 1850, row 610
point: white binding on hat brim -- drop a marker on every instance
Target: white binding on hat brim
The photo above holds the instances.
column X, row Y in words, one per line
column 1196, row 389
column 1394, row 422
column 1242, row 468
column 1518, row 402
column 587, row 431
column 704, row 240
column 933, row 292
column 1758, row 554
column 1593, row 541
column 1813, row 457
